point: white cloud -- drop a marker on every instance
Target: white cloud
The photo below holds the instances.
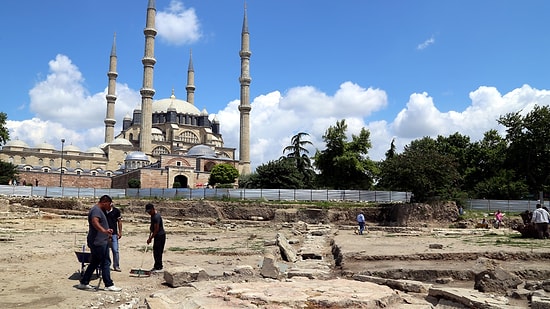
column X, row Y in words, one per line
column 178, row 25
column 426, row 43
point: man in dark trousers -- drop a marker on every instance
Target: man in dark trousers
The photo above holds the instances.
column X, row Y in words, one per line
column 156, row 232
column 99, row 234
column 114, row 218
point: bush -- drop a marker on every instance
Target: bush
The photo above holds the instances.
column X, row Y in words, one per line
column 134, row 183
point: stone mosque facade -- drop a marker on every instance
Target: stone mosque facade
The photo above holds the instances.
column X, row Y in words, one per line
column 164, row 143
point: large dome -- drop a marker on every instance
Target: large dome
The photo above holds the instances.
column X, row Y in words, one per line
column 136, row 156
column 201, row 151
column 181, row 106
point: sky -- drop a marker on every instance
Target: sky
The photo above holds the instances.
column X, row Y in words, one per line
column 402, row 70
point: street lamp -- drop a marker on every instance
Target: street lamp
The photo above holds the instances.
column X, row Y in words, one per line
column 61, row 168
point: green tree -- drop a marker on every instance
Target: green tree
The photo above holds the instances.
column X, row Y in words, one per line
column 223, row 174
column 134, row 183
column 8, row 172
column 528, row 153
column 4, row 132
column 423, row 170
column 299, row 154
column 277, row 174
column 343, row 164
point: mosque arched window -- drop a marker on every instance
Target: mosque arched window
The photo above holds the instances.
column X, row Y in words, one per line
column 160, row 151
column 189, row 137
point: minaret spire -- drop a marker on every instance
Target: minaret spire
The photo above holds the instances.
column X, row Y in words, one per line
column 190, row 80
column 111, row 95
column 147, row 91
column 244, row 106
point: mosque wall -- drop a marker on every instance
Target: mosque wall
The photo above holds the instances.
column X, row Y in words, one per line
column 52, row 180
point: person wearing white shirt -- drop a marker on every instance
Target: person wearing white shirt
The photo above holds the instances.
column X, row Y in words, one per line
column 540, row 219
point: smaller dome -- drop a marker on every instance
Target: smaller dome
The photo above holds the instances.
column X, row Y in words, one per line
column 16, row 143
column 215, row 120
column 201, row 151
column 204, row 112
column 95, row 150
column 45, row 145
column 156, row 131
column 71, row 148
column 121, row 141
column 136, row 156
column 127, row 117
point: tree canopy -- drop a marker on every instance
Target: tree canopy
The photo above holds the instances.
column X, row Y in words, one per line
column 345, row 164
column 223, row 174
column 4, row 132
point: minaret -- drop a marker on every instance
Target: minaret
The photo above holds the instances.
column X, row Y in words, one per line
column 244, row 106
column 147, row 91
column 190, row 80
column 111, row 96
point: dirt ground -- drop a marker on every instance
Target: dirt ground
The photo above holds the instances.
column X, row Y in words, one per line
column 39, row 267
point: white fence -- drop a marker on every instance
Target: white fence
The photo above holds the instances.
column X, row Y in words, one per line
column 215, row 193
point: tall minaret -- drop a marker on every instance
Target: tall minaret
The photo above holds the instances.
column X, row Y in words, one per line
column 190, row 80
column 111, row 96
column 147, row 91
column 244, row 106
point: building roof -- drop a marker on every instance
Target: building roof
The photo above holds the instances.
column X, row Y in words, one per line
column 201, row 151
column 136, row 156
column 16, row 143
column 180, row 106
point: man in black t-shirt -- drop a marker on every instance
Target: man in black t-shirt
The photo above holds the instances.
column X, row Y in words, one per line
column 156, row 232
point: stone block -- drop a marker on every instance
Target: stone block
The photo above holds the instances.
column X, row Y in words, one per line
column 183, row 275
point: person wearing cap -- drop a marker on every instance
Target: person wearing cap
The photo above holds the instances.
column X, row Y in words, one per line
column 156, row 233
column 98, row 237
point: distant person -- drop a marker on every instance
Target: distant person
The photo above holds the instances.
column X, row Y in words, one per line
column 36, row 182
column 98, row 237
column 156, row 233
column 361, row 222
column 540, row 219
column 114, row 218
column 498, row 218
column 460, row 211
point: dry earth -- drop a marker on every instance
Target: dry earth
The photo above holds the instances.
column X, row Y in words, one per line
column 39, row 267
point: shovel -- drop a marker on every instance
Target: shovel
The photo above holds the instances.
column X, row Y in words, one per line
column 140, row 271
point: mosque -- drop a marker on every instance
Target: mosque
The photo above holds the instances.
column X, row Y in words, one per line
column 165, row 143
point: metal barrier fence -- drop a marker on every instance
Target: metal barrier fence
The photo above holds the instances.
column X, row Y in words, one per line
column 257, row 194
column 503, row 205
column 214, row 193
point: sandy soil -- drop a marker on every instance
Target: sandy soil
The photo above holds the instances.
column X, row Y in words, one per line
column 39, row 267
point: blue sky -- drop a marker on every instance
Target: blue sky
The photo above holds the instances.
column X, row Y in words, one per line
column 401, row 69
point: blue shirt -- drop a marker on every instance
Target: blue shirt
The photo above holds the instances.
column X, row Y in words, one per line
column 360, row 218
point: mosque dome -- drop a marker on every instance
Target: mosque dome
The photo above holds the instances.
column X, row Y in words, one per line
column 16, row 143
column 121, row 141
column 156, row 131
column 136, row 156
column 201, row 151
column 172, row 103
column 95, row 150
column 45, row 145
column 71, row 148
